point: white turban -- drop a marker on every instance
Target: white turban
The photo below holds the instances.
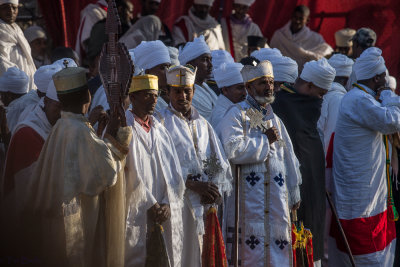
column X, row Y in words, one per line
column 391, row 82
column 150, row 54
column 14, row 2
column 60, row 62
column 342, row 64
column 193, row 50
column 320, row 73
column 34, row 32
column 228, row 74
column 266, row 53
column 204, row 2
column 138, row 70
column 369, row 64
column 219, row 57
column 285, row 69
column 52, row 92
column 15, row 81
column 44, row 75
column 244, row 2
column 173, row 54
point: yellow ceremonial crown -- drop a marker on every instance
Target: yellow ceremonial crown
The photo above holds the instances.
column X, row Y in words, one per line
column 144, row 82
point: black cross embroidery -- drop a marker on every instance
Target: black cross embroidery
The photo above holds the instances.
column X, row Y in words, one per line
column 252, row 178
column 252, row 242
column 279, row 179
column 281, row 243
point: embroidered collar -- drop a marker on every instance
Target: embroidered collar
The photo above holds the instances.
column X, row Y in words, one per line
column 146, row 124
column 252, row 102
column 365, row 89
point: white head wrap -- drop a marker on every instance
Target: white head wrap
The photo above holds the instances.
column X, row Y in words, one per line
column 150, row 54
column 228, row 74
column 251, row 73
column 34, row 32
column 204, row 2
column 52, row 92
column 15, row 81
column 266, row 53
column 14, row 2
column 138, row 70
column 391, row 82
column 244, row 2
column 342, row 64
column 369, row 64
column 60, row 62
column 219, row 57
column 320, row 73
column 285, row 69
column 43, row 76
column 193, row 50
column 173, row 54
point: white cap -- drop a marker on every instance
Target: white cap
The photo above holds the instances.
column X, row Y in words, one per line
column 204, row 2
column 150, row 54
column 52, row 92
column 320, row 73
column 228, row 74
column 138, row 70
column 34, row 32
column 369, row 64
column 70, row 61
column 251, row 73
column 181, row 76
column 218, row 57
column 14, row 2
column 15, row 81
column 174, row 54
column 43, row 76
column 285, row 69
column 266, row 53
column 193, row 50
column 391, row 82
column 344, row 37
column 342, row 64
column 244, row 2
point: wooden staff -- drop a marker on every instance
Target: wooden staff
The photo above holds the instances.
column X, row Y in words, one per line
column 328, row 196
column 236, row 233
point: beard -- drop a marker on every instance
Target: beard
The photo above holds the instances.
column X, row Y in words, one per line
column 264, row 99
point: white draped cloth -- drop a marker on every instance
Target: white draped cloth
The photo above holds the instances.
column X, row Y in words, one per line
column 269, row 186
column 188, row 27
column 204, row 100
column 161, row 104
column 153, row 175
column 195, row 141
column 100, row 99
column 221, row 107
column 239, row 36
column 15, row 51
column 360, row 184
column 304, row 46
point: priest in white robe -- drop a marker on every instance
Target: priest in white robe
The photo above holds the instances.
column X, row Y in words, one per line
column 75, row 206
column 230, row 81
column 14, row 48
column 155, row 185
column 198, row 54
column 237, row 27
column 255, row 138
column 285, row 71
column 205, row 168
column 198, row 22
column 297, row 41
column 368, row 114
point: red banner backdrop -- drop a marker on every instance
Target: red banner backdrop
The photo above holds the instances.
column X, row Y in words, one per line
column 327, row 16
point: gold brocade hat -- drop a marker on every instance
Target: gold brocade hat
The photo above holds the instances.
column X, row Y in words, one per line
column 70, row 79
column 144, row 82
column 252, row 73
column 181, row 76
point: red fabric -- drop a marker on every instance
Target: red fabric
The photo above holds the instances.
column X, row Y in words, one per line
column 329, row 153
column 24, row 149
column 232, row 48
column 365, row 235
column 181, row 24
column 380, row 15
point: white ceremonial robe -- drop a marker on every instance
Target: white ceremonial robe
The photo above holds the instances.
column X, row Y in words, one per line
column 15, row 51
column 74, row 211
column 161, row 104
column 269, row 187
column 304, row 46
column 153, row 175
column 204, row 100
column 100, row 99
column 239, row 33
column 186, row 135
column 221, row 107
column 186, row 28
column 359, row 178
column 20, row 108
column 90, row 15
column 147, row 28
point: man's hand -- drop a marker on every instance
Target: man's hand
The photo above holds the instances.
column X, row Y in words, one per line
column 296, row 206
column 208, row 191
column 163, row 213
column 113, row 125
column 97, row 114
column 153, row 211
column 272, row 134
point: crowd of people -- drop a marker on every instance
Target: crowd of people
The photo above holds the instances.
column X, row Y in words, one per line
column 212, row 107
